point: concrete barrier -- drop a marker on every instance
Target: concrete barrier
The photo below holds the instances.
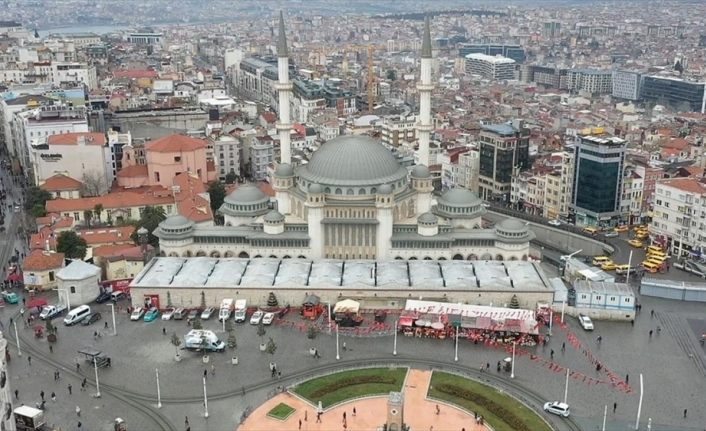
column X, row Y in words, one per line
column 670, row 289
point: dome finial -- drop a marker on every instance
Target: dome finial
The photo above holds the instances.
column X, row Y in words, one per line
column 282, row 41
column 426, row 39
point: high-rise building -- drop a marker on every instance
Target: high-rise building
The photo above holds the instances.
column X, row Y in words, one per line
column 503, row 148
column 626, row 84
column 680, row 94
column 515, row 52
column 490, row 67
column 679, row 204
column 598, row 178
column 551, row 29
column 594, row 81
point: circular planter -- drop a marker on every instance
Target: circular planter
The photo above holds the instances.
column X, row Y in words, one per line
column 263, row 347
column 177, row 358
column 234, row 360
column 205, row 359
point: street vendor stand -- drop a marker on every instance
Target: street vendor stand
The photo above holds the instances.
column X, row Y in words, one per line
column 312, row 308
column 346, row 313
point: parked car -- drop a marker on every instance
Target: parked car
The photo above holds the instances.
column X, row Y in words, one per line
column 207, row 313
column 194, row 313
column 608, row 266
column 168, row 313
column 557, row 408
column 9, row 297
column 585, row 322
column 256, row 317
column 91, row 318
column 555, row 222
column 179, row 313
column 268, row 318
column 137, row 313
column 151, row 315
column 622, row 228
column 103, row 297
column 117, row 295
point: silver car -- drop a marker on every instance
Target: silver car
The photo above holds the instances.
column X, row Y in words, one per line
column 206, row 314
column 557, row 408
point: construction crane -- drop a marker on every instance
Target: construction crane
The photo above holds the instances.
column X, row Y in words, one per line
column 371, row 80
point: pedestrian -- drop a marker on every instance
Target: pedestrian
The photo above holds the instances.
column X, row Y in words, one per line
column 615, row 406
column 164, row 330
column 650, row 333
column 300, row 424
column 53, row 397
column 344, row 346
column 306, row 415
column 438, row 410
column 51, row 349
column 213, row 370
column 563, row 347
column 627, row 378
column 29, row 360
column 632, row 322
column 487, row 365
column 78, row 367
column 105, row 325
column 354, row 412
column 70, row 388
column 83, row 384
column 79, row 425
column 41, row 394
column 684, row 413
column 205, row 374
column 78, row 411
column 599, row 339
column 318, row 417
column 551, row 354
column 652, row 313
column 344, row 416
column 17, row 394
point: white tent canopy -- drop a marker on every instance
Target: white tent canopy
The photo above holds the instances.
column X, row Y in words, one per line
column 347, row 306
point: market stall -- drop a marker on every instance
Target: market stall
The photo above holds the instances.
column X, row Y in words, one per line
column 347, row 313
column 312, row 308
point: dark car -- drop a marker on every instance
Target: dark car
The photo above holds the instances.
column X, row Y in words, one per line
column 103, row 297
column 91, row 318
column 194, row 313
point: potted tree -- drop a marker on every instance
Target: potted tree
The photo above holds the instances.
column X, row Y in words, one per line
column 176, row 342
column 312, row 331
column 261, row 333
column 51, row 331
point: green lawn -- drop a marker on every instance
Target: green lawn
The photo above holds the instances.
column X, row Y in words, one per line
column 501, row 411
column 281, row 411
column 346, row 385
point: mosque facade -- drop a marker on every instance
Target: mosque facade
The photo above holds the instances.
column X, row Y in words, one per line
column 352, row 200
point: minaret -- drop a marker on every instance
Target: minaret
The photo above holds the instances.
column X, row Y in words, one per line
column 284, row 88
column 425, row 87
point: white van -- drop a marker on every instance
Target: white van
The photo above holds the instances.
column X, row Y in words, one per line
column 241, row 309
column 77, row 314
column 226, row 309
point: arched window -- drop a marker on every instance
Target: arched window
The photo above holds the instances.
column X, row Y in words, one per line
column 361, row 191
column 339, row 191
column 327, row 190
column 349, row 192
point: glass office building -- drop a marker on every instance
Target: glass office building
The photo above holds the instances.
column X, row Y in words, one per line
column 679, row 94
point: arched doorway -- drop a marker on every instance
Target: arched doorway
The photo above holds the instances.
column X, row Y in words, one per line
column 174, row 254
column 215, row 253
column 487, row 256
column 272, row 256
column 499, row 257
column 427, row 258
column 200, row 253
column 229, row 254
column 398, row 258
column 412, row 258
column 524, row 257
column 286, row 256
column 513, row 258
column 442, row 258
column 472, row 257
column 243, row 255
column 301, row 257
column 457, row 257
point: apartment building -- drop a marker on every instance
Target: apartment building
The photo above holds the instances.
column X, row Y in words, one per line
column 504, row 148
column 227, row 154
column 545, row 191
column 594, row 81
column 679, row 216
column 626, row 85
column 396, row 130
column 496, row 68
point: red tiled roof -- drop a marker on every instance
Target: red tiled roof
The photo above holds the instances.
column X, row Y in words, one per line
column 687, row 184
column 107, row 235
column 269, row 117
column 90, row 138
column 61, row 182
column 114, row 200
column 175, row 144
column 135, row 74
column 133, row 171
column 39, row 260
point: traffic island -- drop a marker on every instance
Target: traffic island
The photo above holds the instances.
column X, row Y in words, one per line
column 281, row 412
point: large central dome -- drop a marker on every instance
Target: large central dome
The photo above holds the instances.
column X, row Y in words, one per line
column 352, row 161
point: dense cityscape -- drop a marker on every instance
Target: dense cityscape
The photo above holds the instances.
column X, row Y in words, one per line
column 442, row 215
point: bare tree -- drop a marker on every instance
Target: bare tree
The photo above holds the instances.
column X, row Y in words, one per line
column 93, row 184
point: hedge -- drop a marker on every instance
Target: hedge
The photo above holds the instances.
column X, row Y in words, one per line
column 350, row 381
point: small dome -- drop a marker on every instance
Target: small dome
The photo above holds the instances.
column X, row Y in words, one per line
column 246, row 194
column 315, row 188
column 428, row 218
column 385, row 189
column 460, row 197
column 176, row 222
column 274, row 216
column 512, row 225
column 284, row 170
column 420, row 171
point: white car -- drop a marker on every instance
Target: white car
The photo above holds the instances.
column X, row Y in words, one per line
column 557, row 408
column 555, row 222
column 206, row 314
column 586, row 322
column 256, row 317
column 268, row 318
column 137, row 313
column 168, row 313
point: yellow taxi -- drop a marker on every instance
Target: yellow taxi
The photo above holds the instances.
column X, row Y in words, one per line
column 609, row 266
column 641, row 234
column 622, row 228
column 600, row 260
column 651, row 267
column 636, row 243
column 639, row 227
column 590, row 230
column 622, row 269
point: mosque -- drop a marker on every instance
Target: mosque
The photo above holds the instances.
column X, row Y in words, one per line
column 353, row 200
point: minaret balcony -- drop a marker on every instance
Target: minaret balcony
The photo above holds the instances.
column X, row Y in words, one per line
column 283, row 126
column 425, row 87
column 424, row 127
column 283, row 86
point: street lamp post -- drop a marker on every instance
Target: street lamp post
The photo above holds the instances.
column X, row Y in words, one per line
column 205, row 399
column 98, row 385
column 551, row 321
column 605, row 414
column 563, row 304
column 338, row 356
column 566, row 386
column 17, row 338
column 112, row 311
column 512, row 370
column 639, row 406
column 159, row 394
column 456, row 347
column 394, row 344
column 329, row 317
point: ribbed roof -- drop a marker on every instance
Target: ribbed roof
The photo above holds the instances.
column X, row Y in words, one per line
column 512, row 225
column 284, row 170
column 459, row 197
column 246, row 194
column 274, row 216
column 428, row 218
column 420, row 171
column 176, row 221
column 352, row 160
